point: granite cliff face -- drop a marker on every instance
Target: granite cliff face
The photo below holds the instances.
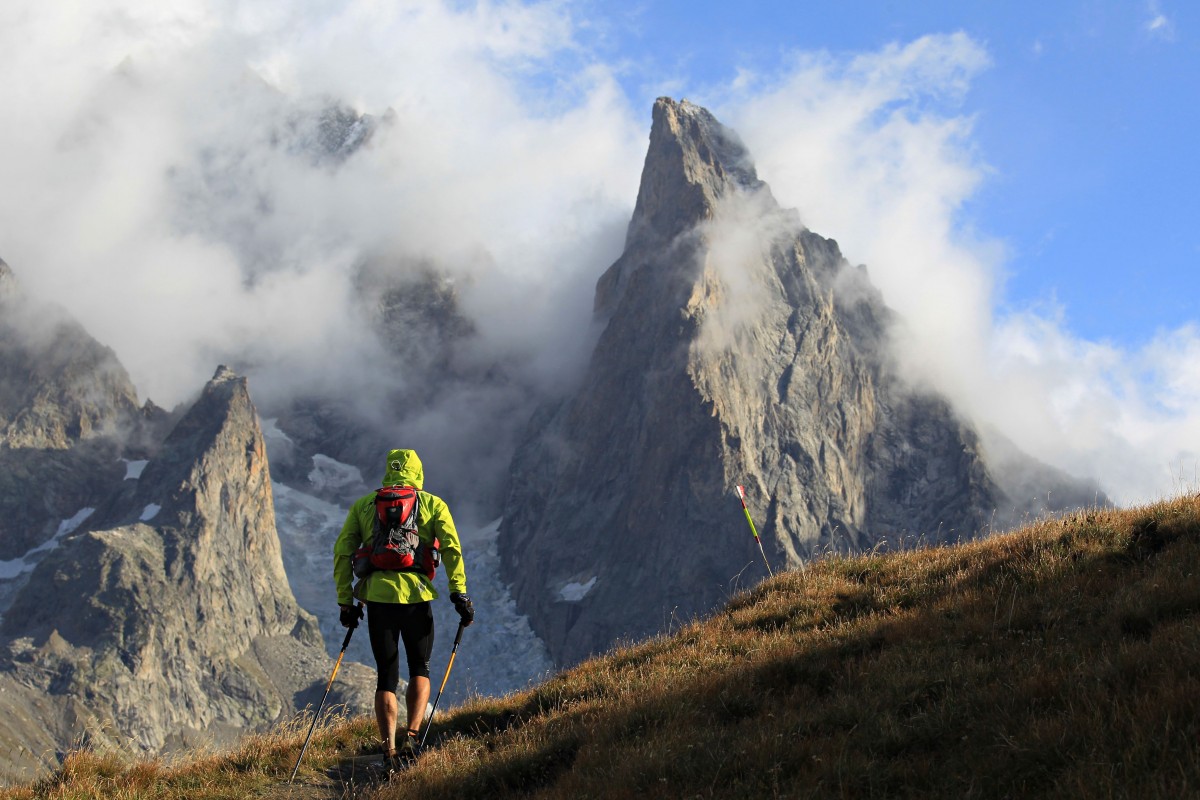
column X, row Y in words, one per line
column 740, row 348
column 62, row 385
column 64, row 400
column 157, row 614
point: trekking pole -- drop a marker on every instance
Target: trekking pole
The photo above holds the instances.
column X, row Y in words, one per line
column 446, row 677
column 742, row 496
column 316, row 716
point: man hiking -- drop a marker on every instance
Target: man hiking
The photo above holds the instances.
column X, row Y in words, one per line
column 393, row 540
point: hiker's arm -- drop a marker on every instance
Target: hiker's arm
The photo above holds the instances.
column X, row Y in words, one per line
column 343, row 553
column 451, row 549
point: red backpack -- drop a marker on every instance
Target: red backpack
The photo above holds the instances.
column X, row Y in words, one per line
column 394, row 544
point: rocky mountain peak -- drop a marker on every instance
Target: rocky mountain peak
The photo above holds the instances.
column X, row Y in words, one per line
column 223, row 375
column 738, row 348
column 692, row 162
column 182, row 626
column 71, row 387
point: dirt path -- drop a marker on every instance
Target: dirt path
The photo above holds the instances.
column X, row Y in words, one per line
column 304, row 791
column 352, row 778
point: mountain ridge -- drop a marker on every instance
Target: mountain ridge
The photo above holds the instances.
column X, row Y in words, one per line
column 160, row 616
column 738, row 348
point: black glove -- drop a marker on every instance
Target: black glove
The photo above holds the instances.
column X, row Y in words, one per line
column 462, row 604
column 350, row 616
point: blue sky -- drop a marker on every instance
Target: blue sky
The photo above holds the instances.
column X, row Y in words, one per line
column 1017, row 177
column 1086, row 117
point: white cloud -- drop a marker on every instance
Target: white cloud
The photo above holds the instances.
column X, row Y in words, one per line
column 1159, row 25
column 738, row 236
column 155, row 185
column 876, row 152
column 155, row 179
column 868, row 154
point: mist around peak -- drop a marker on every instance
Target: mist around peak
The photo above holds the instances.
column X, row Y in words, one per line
column 222, row 178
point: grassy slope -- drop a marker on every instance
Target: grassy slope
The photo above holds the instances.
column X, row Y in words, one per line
column 1061, row 660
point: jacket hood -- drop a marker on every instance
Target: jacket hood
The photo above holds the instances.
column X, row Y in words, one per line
column 404, row 469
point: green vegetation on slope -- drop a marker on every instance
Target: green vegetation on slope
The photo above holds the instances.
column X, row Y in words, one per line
column 1061, row 660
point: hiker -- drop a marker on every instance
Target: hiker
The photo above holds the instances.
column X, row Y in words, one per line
column 398, row 599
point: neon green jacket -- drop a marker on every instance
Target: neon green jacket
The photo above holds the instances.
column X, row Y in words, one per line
column 433, row 520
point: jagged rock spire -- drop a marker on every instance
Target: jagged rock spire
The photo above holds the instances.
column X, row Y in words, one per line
column 691, row 163
column 739, row 348
column 65, row 385
column 180, row 625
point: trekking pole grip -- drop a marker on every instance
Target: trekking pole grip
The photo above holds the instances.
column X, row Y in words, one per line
column 350, row 630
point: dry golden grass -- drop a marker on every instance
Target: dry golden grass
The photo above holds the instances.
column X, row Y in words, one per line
column 259, row 762
column 1062, row 660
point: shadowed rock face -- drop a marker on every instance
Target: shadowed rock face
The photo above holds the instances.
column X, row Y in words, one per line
column 164, row 618
column 167, row 619
column 64, row 401
column 740, row 348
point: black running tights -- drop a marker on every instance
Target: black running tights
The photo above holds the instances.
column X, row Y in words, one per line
column 388, row 624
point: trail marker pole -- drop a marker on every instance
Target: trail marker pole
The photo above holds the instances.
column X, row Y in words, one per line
column 741, row 491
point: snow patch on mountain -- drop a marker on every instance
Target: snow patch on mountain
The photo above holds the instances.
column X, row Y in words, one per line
column 133, row 469
column 329, row 474
column 500, row 652
column 575, row 591
column 308, row 526
column 31, row 559
column 14, row 573
column 65, row 527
